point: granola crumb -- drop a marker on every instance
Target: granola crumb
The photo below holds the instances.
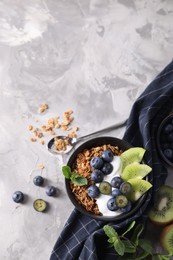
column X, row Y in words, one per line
column 75, row 128
column 40, row 135
column 30, row 127
column 35, row 133
column 40, row 166
column 41, row 141
column 33, row 139
column 43, row 108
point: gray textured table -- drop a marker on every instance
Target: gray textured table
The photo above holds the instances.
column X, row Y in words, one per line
column 94, row 57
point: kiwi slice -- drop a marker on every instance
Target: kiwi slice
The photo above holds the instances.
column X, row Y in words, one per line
column 135, row 170
column 161, row 212
column 134, row 154
column 139, row 187
column 40, row 205
column 166, row 238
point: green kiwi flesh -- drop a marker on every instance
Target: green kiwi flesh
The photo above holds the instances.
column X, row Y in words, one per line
column 134, row 154
column 161, row 212
column 139, row 187
column 135, row 170
column 166, row 238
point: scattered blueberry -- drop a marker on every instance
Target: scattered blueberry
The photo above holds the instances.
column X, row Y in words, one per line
column 93, row 191
column 97, row 176
column 18, row 196
column 127, row 208
column 168, row 128
column 168, row 153
column 50, row 190
column 111, row 204
column 107, row 156
column 107, row 168
column 116, row 192
column 38, row 180
column 96, row 162
column 125, row 187
column 116, row 182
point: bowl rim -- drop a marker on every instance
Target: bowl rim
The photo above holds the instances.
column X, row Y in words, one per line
column 77, row 205
column 163, row 122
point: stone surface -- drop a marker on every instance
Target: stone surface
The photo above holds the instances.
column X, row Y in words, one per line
column 92, row 56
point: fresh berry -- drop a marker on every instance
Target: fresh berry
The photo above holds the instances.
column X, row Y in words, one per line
column 121, row 201
column 93, row 191
column 111, row 204
column 97, row 176
column 38, row 180
column 168, row 153
column 107, row 168
column 116, row 192
column 125, row 188
column 116, row 182
column 105, row 188
column 50, row 190
column 18, row 196
column 96, row 162
column 168, row 128
column 107, row 156
column 127, row 208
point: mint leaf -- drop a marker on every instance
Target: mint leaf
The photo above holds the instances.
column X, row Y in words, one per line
column 129, row 247
column 136, row 234
column 110, row 231
column 129, row 228
column 119, row 247
column 78, row 180
column 146, row 245
column 66, row 170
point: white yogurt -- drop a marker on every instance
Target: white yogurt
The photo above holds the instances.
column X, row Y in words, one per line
column 103, row 199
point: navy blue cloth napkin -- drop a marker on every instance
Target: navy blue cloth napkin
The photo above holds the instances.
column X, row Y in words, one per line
column 83, row 237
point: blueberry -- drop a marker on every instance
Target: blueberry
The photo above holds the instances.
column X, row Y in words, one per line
column 107, row 168
column 116, row 182
column 168, row 128
column 50, row 190
column 115, row 192
column 97, row 176
column 125, row 187
column 96, row 162
column 111, row 204
column 18, row 196
column 107, row 156
column 127, row 208
column 38, row 180
column 168, row 153
column 93, row 191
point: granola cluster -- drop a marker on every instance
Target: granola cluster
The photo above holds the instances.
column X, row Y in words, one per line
column 50, row 127
column 82, row 167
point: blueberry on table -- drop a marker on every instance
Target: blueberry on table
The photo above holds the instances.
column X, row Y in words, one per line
column 111, row 204
column 107, row 168
column 116, row 182
column 96, row 162
column 107, row 156
column 97, row 176
column 50, row 190
column 168, row 153
column 18, row 196
column 168, row 128
column 93, row 191
column 38, row 180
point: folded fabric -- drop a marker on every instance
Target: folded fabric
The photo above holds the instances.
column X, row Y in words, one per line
column 83, row 237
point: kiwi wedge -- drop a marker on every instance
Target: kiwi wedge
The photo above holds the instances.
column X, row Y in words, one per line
column 40, row 205
column 134, row 154
column 161, row 212
column 135, row 170
column 139, row 187
column 166, row 238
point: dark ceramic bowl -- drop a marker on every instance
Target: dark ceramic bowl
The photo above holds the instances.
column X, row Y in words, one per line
column 164, row 140
column 99, row 141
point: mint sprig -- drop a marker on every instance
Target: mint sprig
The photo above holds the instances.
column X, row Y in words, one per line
column 134, row 247
column 75, row 178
